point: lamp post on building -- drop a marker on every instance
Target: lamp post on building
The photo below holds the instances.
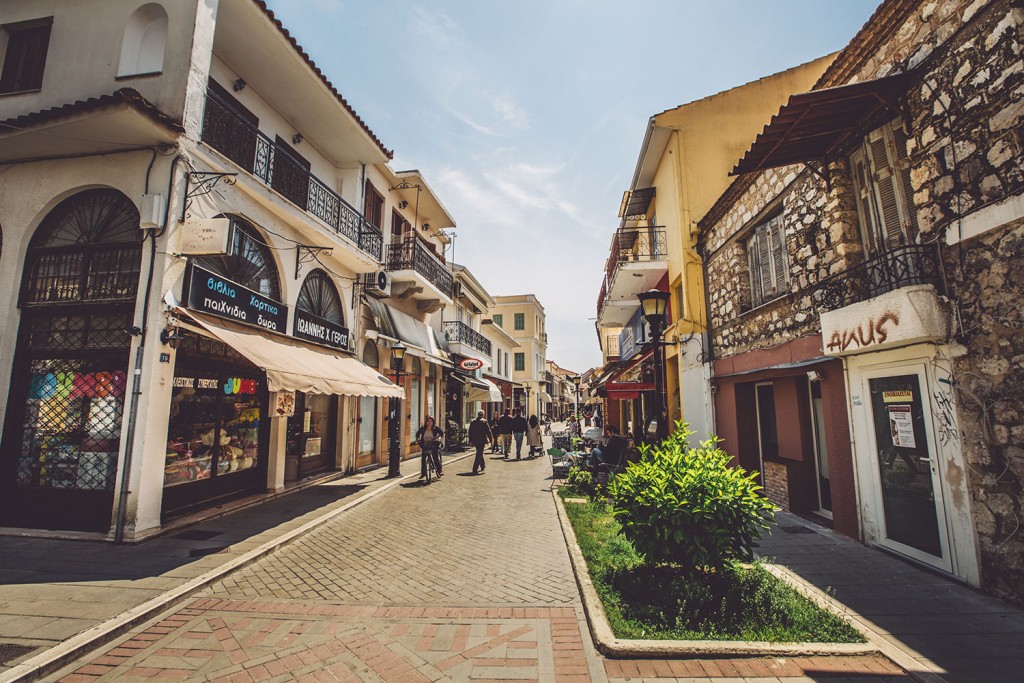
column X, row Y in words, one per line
column 527, row 390
column 654, row 303
column 576, row 382
column 394, row 415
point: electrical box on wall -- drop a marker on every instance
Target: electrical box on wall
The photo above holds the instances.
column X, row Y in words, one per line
column 151, row 213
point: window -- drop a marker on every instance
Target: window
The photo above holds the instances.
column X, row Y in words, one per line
column 373, row 206
column 520, row 362
column 520, row 321
column 881, row 179
column 497, row 319
column 27, row 43
column 767, row 260
column 399, row 226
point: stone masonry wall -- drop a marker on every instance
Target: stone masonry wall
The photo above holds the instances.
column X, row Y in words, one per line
column 776, row 483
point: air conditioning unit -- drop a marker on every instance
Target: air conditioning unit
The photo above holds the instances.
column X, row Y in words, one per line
column 377, row 284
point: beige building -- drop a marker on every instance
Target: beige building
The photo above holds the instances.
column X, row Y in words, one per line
column 522, row 317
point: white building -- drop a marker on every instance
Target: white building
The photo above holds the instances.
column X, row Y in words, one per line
column 191, row 215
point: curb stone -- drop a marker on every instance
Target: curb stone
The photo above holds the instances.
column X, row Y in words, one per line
column 610, row 646
column 65, row 653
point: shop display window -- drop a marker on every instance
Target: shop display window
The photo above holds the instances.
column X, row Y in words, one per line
column 213, row 428
column 307, row 427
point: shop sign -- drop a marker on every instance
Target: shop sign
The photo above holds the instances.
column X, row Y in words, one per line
column 634, row 335
column 201, row 236
column 315, row 329
column 221, row 297
column 470, row 364
column 230, row 386
column 285, row 404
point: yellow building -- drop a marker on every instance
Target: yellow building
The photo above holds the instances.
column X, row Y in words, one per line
column 522, row 316
column 683, row 167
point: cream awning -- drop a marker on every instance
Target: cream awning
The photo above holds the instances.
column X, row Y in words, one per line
column 544, row 397
column 292, row 365
column 492, row 394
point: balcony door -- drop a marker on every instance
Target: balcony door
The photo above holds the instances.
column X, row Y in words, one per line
column 291, row 174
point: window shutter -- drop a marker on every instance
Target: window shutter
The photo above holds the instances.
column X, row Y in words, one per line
column 778, row 247
column 764, row 253
column 885, row 188
column 865, row 207
column 899, row 137
column 754, row 265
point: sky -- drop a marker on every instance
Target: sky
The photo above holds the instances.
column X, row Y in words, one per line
column 526, row 116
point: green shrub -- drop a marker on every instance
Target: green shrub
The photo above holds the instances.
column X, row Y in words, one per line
column 688, row 506
column 580, row 481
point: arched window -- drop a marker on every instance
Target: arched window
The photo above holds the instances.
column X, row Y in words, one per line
column 144, row 41
column 87, row 249
column 248, row 263
column 70, row 371
column 320, row 297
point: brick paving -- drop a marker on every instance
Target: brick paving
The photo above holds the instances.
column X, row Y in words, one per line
column 467, row 579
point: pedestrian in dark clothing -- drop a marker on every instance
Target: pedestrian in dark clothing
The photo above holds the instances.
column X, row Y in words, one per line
column 518, row 432
column 479, row 435
column 494, row 432
column 505, row 431
column 429, row 438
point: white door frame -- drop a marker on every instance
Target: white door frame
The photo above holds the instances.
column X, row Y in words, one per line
column 814, row 441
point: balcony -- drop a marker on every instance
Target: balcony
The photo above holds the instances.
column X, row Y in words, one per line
column 912, row 264
column 456, row 332
column 637, row 260
column 243, row 143
column 888, row 301
column 419, row 273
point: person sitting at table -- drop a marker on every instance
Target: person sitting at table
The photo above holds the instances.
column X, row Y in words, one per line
column 610, row 453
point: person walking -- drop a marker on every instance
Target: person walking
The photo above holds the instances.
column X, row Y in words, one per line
column 429, row 437
column 519, row 431
column 479, row 434
column 505, row 431
column 534, row 439
column 494, row 432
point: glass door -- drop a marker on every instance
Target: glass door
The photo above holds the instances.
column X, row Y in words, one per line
column 820, row 450
column 909, row 488
column 367, row 454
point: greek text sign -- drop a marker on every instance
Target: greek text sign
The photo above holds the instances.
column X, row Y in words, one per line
column 315, row 329
column 219, row 296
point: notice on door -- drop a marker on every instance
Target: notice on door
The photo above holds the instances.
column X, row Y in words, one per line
column 902, row 427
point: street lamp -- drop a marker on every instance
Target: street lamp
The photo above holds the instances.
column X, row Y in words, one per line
column 527, row 390
column 576, row 381
column 654, row 303
column 394, row 416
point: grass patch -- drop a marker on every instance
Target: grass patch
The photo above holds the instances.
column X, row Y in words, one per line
column 665, row 603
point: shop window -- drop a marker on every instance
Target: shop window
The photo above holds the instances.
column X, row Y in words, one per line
column 767, row 261
column 881, row 180
column 520, row 362
column 25, row 57
column 309, row 432
column 320, row 297
column 249, row 261
column 368, row 408
column 373, row 205
column 520, row 321
column 144, row 41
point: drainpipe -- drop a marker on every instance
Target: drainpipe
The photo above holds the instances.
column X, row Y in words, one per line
column 133, row 410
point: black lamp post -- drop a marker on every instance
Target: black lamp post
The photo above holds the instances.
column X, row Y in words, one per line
column 576, row 381
column 394, row 415
column 655, row 306
column 527, row 390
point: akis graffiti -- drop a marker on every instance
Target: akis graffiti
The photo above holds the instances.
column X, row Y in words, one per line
column 874, row 331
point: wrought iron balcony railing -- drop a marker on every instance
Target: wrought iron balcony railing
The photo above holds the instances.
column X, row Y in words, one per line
column 636, row 245
column 243, row 143
column 461, row 333
column 912, row 264
column 412, row 254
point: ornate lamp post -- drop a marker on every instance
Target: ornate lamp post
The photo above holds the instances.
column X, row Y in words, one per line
column 655, row 306
column 527, row 390
column 576, row 381
column 394, row 415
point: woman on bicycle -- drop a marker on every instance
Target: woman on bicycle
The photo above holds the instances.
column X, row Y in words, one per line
column 429, row 438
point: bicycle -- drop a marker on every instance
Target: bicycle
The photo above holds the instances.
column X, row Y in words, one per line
column 432, row 471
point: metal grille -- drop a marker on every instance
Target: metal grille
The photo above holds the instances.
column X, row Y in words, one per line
column 411, row 254
column 459, row 332
column 914, row 264
column 249, row 263
column 320, row 297
column 73, row 332
column 72, row 424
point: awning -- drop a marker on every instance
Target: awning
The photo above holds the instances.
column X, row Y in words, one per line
column 544, row 396
column 292, row 365
column 814, row 124
column 636, row 203
column 415, row 334
column 489, row 393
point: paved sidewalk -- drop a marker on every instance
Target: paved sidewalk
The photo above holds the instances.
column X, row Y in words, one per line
column 946, row 627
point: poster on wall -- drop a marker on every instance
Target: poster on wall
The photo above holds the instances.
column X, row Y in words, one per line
column 902, row 427
column 285, row 404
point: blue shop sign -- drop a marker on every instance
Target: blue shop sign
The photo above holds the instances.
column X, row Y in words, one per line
column 634, row 335
column 211, row 293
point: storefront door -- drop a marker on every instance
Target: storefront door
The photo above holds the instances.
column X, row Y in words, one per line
column 905, row 467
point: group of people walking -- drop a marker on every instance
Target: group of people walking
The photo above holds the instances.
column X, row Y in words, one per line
column 500, row 432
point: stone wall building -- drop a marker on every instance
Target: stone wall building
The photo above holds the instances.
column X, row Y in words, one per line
column 860, row 285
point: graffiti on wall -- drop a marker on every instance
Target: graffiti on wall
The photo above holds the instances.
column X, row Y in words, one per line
column 873, row 331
